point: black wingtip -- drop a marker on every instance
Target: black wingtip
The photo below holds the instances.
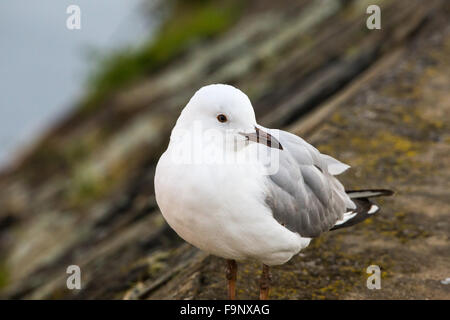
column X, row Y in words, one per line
column 365, row 209
column 369, row 193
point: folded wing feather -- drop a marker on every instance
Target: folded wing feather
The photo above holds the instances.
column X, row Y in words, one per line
column 304, row 195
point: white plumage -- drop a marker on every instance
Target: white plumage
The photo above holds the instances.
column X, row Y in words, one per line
column 222, row 207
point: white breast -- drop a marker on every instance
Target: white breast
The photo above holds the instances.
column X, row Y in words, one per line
column 207, row 208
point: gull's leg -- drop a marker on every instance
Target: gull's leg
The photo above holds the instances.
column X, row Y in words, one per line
column 231, row 277
column 264, row 284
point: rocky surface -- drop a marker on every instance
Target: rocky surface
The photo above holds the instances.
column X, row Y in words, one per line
column 378, row 100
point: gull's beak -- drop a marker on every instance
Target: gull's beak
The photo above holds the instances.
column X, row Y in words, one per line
column 259, row 136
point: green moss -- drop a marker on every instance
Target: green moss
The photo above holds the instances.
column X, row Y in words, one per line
column 88, row 185
column 80, row 148
column 191, row 21
column 84, row 188
column 400, row 226
column 52, row 156
column 157, row 262
column 4, row 276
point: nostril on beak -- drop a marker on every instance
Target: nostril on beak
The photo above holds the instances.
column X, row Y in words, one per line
column 262, row 137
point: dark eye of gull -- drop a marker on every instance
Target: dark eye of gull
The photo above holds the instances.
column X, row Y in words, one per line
column 222, row 118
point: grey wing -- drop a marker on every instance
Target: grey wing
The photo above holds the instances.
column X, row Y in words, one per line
column 303, row 194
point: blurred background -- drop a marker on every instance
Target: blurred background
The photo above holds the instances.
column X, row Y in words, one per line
column 51, row 63
column 85, row 115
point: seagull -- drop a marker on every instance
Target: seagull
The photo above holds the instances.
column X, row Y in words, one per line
column 239, row 191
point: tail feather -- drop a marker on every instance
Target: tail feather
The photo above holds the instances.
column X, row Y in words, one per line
column 364, row 207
